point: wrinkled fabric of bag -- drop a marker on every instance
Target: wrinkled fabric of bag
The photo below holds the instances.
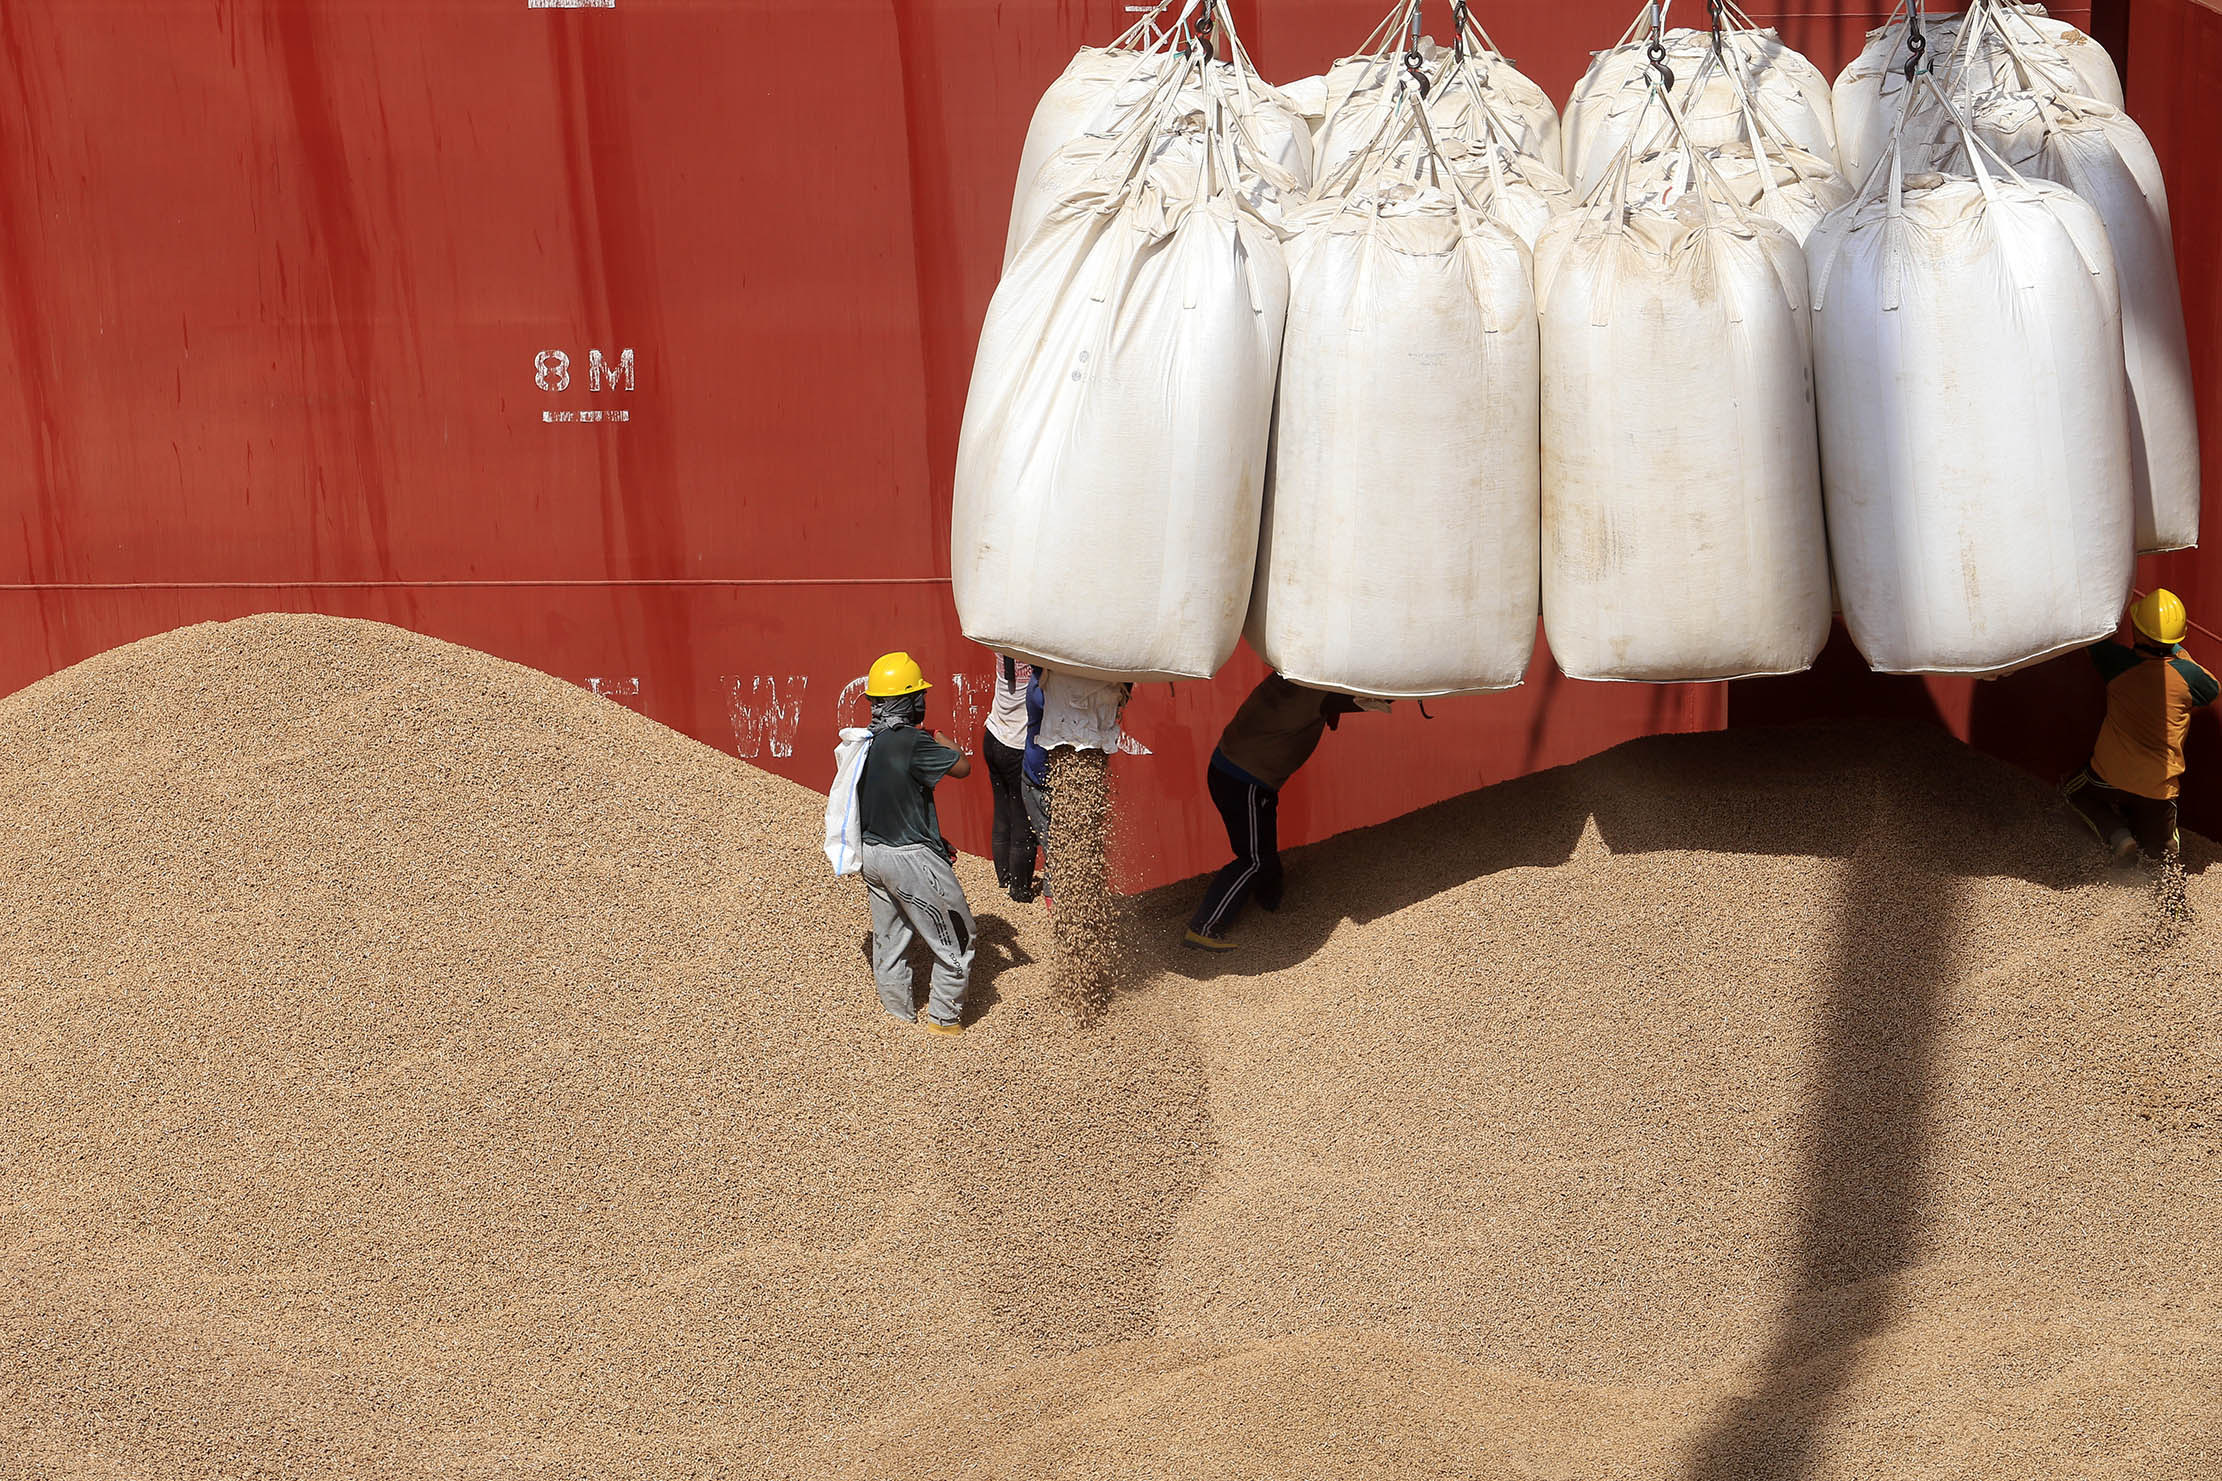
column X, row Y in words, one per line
column 1111, row 462
column 1682, row 523
column 2021, row 49
column 1603, row 112
column 1079, row 121
column 1974, row 423
column 2104, row 157
column 1486, row 93
column 1400, row 544
column 1791, row 188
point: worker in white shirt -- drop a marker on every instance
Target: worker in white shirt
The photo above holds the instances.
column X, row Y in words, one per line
column 1014, row 843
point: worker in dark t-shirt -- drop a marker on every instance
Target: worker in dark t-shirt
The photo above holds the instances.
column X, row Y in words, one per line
column 1274, row 733
column 906, row 861
column 2128, row 792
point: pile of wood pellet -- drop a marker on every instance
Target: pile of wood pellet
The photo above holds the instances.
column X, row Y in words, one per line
column 411, row 1065
column 1087, row 931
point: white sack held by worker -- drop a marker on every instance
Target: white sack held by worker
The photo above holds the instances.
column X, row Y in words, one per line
column 1112, row 457
column 1682, row 528
column 1974, row 419
column 2100, row 154
column 1399, row 553
column 1088, row 108
column 1081, row 713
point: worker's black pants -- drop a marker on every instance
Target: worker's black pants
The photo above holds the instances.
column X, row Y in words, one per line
column 1013, row 842
column 2111, row 811
column 1251, row 815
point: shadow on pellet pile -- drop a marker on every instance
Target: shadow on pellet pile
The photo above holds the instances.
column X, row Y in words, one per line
column 1800, row 791
column 1860, row 1214
column 1836, row 792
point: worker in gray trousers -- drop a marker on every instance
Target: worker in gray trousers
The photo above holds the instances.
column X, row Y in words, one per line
column 906, row 862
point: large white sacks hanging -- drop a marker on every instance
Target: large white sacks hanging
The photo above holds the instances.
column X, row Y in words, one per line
column 1399, row 552
column 1090, row 105
column 1261, row 178
column 1100, row 85
column 1525, row 115
column 1974, row 421
column 1789, row 187
column 1601, row 115
column 1682, row 528
column 1112, row 459
column 2094, row 69
column 1986, row 47
column 1478, row 91
column 2102, row 156
column 1474, row 96
column 1519, row 191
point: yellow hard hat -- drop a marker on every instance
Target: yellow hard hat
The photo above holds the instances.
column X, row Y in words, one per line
column 2159, row 616
column 895, row 673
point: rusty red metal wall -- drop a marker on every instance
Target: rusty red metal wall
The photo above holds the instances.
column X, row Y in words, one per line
column 301, row 296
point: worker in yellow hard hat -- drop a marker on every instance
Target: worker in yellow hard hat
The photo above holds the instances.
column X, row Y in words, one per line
column 2128, row 792
column 906, row 862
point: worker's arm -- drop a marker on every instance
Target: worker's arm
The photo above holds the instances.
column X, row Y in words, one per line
column 1333, row 707
column 963, row 766
column 2113, row 659
column 2203, row 687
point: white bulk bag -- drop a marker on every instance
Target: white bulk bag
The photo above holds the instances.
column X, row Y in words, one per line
column 1513, row 189
column 1098, row 86
column 1786, row 89
column 1399, row 552
column 1682, row 527
column 1475, row 91
column 1789, row 187
column 1308, row 96
column 1525, row 116
column 2104, row 157
column 2094, row 69
column 1265, row 186
column 1986, row 47
column 1974, row 421
column 1102, row 90
column 1112, row 458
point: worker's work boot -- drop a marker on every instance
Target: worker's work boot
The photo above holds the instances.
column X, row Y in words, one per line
column 1198, row 941
column 947, row 1030
column 2123, row 846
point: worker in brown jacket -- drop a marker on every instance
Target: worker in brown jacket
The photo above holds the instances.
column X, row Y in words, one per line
column 2128, row 792
column 1274, row 733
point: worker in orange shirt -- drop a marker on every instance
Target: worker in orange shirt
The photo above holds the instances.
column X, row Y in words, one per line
column 2128, row 792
